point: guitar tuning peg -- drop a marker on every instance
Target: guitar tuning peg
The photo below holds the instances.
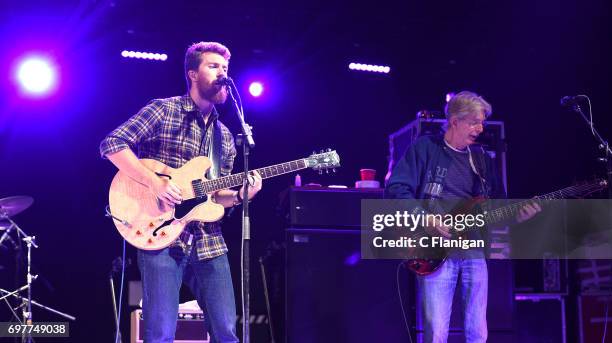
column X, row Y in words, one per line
column 322, row 151
column 314, row 152
column 328, row 149
column 326, row 171
column 333, row 170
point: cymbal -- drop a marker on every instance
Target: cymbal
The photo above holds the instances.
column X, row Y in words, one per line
column 12, row 205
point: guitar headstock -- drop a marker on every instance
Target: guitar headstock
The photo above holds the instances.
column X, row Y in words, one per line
column 323, row 160
column 589, row 187
column 600, row 184
column 603, row 183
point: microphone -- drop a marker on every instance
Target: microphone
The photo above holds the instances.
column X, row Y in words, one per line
column 224, row 81
column 571, row 100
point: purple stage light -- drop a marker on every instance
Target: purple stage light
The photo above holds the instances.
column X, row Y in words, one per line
column 144, row 55
column 36, row 75
column 256, row 89
column 370, row 68
column 352, row 259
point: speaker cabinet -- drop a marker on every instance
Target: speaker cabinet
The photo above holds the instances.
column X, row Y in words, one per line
column 334, row 296
column 540, row 318
column 594, row 312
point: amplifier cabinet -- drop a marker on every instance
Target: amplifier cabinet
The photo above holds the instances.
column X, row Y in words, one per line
column 334, row 296
column 540, row 318
column 189, row 327
column 324, row 207
column 594, row 311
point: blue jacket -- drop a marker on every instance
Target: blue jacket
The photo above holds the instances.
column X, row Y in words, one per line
column 424, row 166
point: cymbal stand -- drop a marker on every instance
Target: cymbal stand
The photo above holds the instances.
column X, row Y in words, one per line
column 27, row 302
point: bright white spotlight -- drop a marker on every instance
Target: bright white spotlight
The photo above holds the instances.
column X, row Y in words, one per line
column 256, row 89
column 144, row 55
column 369, row 68
column 36, row 75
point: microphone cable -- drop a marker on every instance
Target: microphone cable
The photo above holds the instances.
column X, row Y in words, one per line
column 399, row 294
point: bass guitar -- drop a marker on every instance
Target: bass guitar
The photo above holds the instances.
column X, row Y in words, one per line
column 436, row 256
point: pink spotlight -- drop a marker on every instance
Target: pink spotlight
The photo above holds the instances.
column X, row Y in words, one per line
column 36, row 76
column 256, row 89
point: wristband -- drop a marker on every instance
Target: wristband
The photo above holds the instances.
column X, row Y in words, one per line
column 238, row 199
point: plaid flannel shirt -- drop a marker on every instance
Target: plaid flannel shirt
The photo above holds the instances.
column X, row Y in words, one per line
column 167, row 130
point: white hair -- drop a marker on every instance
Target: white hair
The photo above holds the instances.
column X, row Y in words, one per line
column 465, row 103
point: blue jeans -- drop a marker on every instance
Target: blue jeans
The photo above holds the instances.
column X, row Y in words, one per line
column 436, row 296
column 164, row 271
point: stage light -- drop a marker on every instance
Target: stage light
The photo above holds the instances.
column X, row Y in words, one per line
column 256, row 89
column 369, row 67
column 36, row 76
column 352, row 259
column 144, row 55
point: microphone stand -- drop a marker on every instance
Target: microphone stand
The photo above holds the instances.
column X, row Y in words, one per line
column 607, row 159
column 603, row 145
column 246, row 141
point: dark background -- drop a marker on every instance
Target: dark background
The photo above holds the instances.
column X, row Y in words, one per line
column 522, row 56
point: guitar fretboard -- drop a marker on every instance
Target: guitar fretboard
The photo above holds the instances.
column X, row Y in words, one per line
column 211, row 186
column 510, row 211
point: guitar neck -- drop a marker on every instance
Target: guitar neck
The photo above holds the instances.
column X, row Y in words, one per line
column 211, row 186
column 510, row 211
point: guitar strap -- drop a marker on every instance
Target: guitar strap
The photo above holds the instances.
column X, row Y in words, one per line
column 215, row 148
column 215, row 151
column 479, row 167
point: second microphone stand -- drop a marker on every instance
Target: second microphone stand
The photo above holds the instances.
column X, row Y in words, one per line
column 603, row 144
column 246, row 141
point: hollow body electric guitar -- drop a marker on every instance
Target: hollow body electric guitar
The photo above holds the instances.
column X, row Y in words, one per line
column 434, row 257
column 146, row 223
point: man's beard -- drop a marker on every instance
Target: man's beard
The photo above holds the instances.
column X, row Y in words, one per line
column 213, row 93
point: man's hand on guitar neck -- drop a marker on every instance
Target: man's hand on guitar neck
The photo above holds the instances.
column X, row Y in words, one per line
column 254, row 184
column 229, row 197
column 528, row 211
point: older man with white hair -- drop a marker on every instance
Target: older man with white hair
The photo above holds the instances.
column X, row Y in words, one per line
column 452, row 166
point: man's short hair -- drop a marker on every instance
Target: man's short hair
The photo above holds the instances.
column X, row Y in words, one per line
column 193, row 56
column 465, row 103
